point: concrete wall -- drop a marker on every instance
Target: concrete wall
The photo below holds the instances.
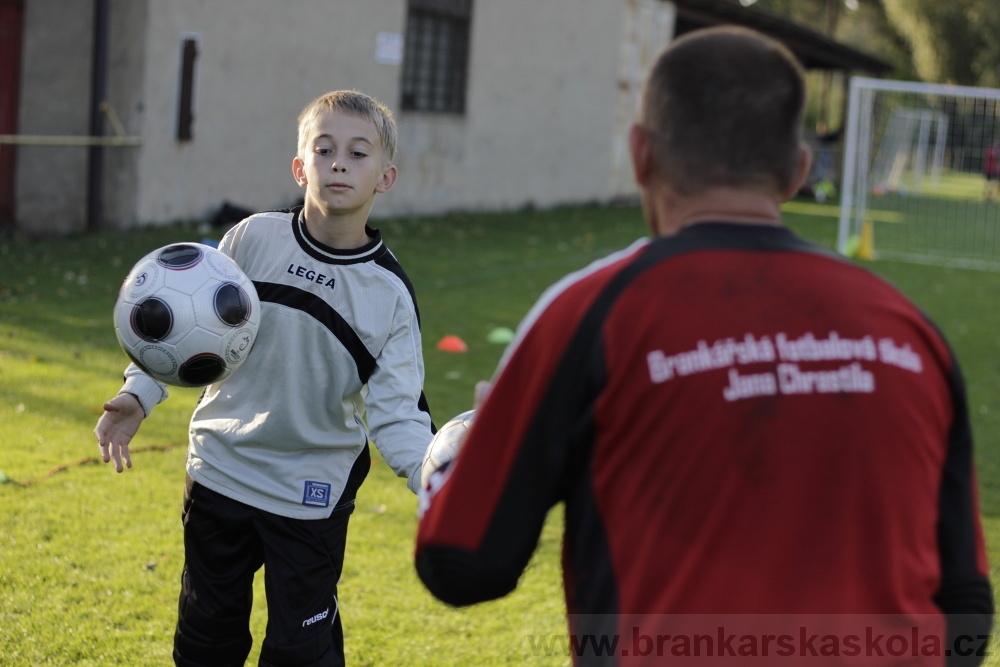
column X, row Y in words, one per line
column 127, row 24
column 540, row 114
column 543, row 122
column 260, row 62
column 55, row 84
column 55, row 100
column 538, row 128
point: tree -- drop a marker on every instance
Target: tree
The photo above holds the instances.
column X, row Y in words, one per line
column 952, row 42
column 861, row 24
column 985, row 15
column 942, row 35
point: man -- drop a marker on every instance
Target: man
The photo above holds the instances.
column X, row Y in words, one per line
column 763, row 450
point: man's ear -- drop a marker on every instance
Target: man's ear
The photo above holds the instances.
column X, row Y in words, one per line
column 641, row 149
column 801, row 172
column 299, row 172
column 388, row 178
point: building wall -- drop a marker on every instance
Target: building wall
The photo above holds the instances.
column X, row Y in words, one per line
column 647, row 27
column 128, row 21
column 543, row 125
column 259, row 63
column 538, row 129
column 55, row 75
column 540, row 113
column 55, row 100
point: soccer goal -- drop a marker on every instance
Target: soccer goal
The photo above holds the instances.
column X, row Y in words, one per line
column 921, row 174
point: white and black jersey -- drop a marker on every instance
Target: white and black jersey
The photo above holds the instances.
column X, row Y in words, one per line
column 339, row 338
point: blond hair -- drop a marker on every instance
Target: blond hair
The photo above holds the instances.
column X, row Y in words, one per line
column 356, row 104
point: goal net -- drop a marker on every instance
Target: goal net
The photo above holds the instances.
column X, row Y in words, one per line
column 921, row 174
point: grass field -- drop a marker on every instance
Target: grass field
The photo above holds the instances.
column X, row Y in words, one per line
column 90, row 560
column 946, row 221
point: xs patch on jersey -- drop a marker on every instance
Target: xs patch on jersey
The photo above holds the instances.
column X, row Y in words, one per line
column 317, row 494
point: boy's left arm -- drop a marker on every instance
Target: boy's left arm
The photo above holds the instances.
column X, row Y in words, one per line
column 396, row 409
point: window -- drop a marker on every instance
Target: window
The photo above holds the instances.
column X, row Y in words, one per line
column 436, row 59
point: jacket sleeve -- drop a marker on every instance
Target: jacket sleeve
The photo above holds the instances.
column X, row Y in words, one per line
column 483, row 517
column 395, row 408
column 148, row 391
column 965, row 595
column 528, row 446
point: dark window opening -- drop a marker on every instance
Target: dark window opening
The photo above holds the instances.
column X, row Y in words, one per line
column 435, row 64
column 185, row 102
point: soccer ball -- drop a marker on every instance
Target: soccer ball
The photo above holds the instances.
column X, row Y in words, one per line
column 445, row 444
column 187, row 315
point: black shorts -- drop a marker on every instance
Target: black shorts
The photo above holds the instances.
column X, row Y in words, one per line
column 225, row 543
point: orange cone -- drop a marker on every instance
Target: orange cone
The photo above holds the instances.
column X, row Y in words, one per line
column 452, row 343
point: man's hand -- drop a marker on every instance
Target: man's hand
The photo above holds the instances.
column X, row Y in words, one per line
column 121, row 419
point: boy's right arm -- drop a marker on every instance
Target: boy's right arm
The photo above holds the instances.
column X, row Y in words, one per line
column 120, row 421
column 124, row 413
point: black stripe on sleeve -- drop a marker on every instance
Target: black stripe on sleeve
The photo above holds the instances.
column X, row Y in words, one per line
column 389, row 262
column 965, row 595
column 322, row 312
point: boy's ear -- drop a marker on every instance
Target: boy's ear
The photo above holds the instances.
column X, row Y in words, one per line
column 388, row 178
column 299, row 172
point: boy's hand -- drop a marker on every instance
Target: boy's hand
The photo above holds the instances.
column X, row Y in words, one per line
column 121, row 419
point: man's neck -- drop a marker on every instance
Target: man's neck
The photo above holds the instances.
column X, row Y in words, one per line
column 672, row 211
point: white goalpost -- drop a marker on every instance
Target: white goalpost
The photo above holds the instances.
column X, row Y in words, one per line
column 914, row 185
column 905, row 146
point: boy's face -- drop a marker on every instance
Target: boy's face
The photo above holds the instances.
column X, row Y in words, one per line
column 342, row 166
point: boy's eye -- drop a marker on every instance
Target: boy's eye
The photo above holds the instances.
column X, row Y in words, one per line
column 358, row 154
column 322, row 150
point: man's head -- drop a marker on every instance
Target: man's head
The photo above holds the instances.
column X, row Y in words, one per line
column 352, row 103
column 723, row 108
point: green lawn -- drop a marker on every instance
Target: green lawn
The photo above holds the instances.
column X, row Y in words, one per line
column 90, row 560
column 946, row 221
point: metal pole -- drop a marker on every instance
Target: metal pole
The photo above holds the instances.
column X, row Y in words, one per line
column 847, row 181
column 98, row 84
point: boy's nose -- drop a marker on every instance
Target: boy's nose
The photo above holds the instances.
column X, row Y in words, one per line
column 337, row 167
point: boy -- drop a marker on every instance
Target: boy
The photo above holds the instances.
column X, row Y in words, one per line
column 754, row 440
column 278, row 450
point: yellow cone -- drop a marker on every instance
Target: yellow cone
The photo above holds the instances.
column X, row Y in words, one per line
column 866, row 248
